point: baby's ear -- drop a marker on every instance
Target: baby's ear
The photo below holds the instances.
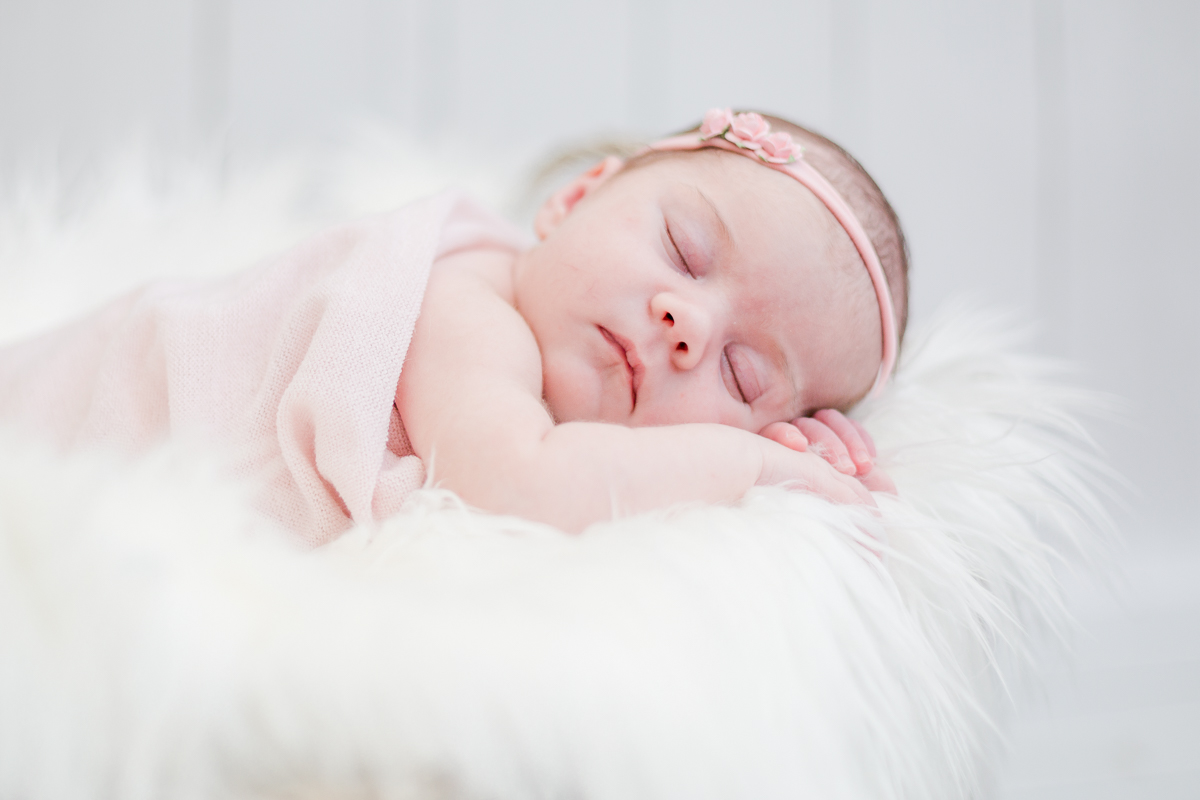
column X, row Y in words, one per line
column 556, row 209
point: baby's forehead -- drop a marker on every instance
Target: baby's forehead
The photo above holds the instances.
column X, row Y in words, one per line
column 781, row 235
column 772, row 211
column 729, row 180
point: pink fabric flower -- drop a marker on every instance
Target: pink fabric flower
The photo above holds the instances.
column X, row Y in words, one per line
column 716, row 120
column 748, row 130
column 780, row 148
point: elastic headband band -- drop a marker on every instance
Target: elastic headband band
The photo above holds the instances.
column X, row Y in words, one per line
column 750, row 135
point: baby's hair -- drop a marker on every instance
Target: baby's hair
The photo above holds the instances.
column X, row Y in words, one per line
column 860, row 192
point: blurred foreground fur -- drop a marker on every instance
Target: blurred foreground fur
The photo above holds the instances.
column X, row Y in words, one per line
column 162, row 640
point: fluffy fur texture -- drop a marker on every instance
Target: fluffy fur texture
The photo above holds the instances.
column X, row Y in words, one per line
column 161, row 640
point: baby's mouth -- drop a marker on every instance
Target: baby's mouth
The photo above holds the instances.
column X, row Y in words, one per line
column 632, row 363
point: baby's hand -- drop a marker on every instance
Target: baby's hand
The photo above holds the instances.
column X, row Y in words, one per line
column 841, row 441
column 808, row 471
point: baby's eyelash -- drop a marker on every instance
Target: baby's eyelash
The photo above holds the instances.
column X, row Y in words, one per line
column 733, row 372
column 679, row 252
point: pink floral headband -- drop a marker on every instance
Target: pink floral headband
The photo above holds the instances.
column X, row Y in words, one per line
column 750, row 135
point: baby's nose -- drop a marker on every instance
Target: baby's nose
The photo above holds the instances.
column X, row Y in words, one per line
column 686, row 326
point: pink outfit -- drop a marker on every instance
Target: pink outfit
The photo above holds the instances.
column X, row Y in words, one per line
column 293, row 365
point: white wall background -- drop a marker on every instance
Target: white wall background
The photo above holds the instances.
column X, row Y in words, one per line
column 1043, row 154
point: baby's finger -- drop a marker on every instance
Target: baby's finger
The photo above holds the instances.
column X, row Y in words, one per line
column 878, row 481
column 825, row 443
column 811, row 473
column 866, row 437
column 786, row 434
column 850, row 437
column 840, row 488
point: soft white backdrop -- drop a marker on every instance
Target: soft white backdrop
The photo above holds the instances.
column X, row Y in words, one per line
column 1043, row 154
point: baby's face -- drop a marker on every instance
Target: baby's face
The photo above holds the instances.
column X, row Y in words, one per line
column 698, row 288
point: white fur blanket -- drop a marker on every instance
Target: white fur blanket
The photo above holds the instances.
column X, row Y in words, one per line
column 158, row 638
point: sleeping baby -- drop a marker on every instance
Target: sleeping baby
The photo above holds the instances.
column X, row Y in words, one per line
column 689, row 323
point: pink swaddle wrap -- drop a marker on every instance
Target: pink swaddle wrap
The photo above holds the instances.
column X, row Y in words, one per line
column 291, row 365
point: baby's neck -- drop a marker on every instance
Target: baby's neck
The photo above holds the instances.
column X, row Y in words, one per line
column 498, row 268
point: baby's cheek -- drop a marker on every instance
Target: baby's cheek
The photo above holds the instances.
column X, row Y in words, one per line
column 688, row 405
column 570, row 392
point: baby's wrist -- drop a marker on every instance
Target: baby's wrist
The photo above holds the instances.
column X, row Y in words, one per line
column 768, row 454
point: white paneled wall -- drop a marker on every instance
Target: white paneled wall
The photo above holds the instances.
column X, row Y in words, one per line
column 950, row 121
column 1042, row 153
column 1133, row 102
column 76, row 74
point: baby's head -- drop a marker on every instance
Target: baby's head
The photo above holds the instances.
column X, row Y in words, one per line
column 697, row 284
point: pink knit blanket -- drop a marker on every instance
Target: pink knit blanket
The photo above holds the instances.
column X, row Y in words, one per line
column 290, row 366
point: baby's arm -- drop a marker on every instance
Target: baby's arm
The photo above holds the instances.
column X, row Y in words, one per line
column 470, row 397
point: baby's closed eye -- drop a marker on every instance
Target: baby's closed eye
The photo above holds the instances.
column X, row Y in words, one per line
column 748, row 375
column 740, row 376
column 676, row 251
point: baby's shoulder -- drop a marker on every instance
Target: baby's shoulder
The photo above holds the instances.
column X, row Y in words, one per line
column 469, row 342
column 478, row 269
